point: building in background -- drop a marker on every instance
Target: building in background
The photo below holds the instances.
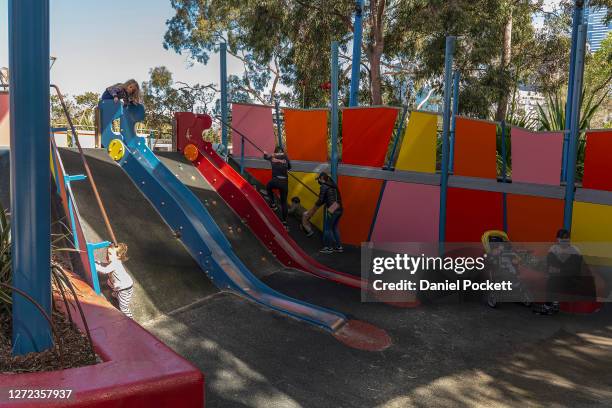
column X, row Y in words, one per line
column 597, row 29
column 528, row 98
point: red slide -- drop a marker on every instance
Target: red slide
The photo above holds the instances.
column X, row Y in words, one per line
column 258, row 216
column 247, row 202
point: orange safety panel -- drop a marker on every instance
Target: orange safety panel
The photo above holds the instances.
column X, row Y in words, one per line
column 306, row 134
column 475, row 148
column 359, row 199
column 366, row 133
column 533, row 219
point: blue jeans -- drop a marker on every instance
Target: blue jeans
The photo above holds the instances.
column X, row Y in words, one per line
column 331, row 232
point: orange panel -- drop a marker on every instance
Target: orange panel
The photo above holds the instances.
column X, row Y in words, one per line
column 533, row 219
column 359, row 198
column 475, row 148
column 306, row 133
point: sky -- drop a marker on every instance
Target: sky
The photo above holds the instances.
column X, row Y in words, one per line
column 99, row 43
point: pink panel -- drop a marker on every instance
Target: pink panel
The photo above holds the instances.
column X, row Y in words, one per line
column 255, row 122
column 536, row 157
column 408, row 213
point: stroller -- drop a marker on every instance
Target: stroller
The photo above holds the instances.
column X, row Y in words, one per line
column 503, row 264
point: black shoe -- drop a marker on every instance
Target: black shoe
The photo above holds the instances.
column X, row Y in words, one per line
column 274, row 207
column 339, row 248
column 286, row 225
column 326, row 250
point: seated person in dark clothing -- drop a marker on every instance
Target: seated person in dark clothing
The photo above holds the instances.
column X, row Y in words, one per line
column 280, row 167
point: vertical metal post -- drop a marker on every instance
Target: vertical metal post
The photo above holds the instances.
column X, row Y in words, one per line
column 279, row 130
column 356, row 61
column 577, row 20
column 575, row 124
column 242, row 155
column 223, row 57
column 30, row 172
column 448, row 77
column 398, row 136
column 334, row 110
column 503, row 175
column 451, row 159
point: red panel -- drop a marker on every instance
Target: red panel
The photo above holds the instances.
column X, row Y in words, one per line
column 597, row 163
column 137, row 369
column 4, row 104
column 262, row 175
column 189, row 127
column 533, row 219
column 264, row 223
column 366, row 133
column 469, row 213
column 475, row 148
column 359, row 200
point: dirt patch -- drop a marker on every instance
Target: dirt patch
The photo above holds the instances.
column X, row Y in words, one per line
column 74, row 350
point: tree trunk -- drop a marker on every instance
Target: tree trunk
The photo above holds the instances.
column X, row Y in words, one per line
column 506, row 58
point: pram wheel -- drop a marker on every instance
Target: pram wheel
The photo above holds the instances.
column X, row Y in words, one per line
column 491, row 300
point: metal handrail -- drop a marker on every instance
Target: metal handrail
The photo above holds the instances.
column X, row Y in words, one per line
column 107, row 223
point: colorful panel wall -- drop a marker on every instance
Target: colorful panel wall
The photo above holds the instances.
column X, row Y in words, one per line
column 536, row 156
column 366, row 133
column 469, row 213
column 254, row 122
column 418, row 150
column 475, row 148
column 597, row 161
column 306, row 134
column 533, row 219
column 5, row 129
column 307, row 197
column 359, row 198
column 408, row 213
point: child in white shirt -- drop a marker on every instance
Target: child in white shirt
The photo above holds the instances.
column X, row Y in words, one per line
column 119, row 280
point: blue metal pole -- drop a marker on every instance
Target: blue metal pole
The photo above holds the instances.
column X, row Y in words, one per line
column 30, row 172
column 503, row 175
column 451, row 159
column 334, row 110
column 574, row 131
column 356, row 62
column 448, row 77
column 278, row 122
column 224, row 113
column 576, row 22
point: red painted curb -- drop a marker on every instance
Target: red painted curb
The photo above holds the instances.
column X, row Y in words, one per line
column 137, row 370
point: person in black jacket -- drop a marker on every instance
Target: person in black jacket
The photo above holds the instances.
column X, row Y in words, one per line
column 280, row 167
column 329, row 197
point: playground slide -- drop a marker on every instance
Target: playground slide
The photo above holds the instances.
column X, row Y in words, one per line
column 193, row 225
column 256, row 213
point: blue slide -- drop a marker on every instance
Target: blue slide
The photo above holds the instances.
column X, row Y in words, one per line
column 192, row 223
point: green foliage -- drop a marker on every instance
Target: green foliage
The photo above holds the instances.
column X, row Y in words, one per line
column 5, row 258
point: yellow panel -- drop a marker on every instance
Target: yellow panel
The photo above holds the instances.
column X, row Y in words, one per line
column 418, row 151
column 593, row 223
column 307, row 197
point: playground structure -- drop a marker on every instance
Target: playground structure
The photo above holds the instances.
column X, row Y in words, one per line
column 391, row 192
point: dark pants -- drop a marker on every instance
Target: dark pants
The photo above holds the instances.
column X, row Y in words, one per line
column 331, row 232
column 282, row 185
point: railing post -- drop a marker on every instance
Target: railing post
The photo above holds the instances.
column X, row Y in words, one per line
column 448, row 73
column 356, row 61
column 575, row 128
column 30, row 172
column 224, row 113
column 577, row 20
column 451, row 158
column 278, row 122
column 242, row 154
column 334, row 111
column 503, row 175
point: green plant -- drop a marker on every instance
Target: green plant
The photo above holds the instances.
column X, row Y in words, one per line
column 5, row 258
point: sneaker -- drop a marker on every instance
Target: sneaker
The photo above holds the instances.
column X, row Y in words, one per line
column 309, row 233
column 326, row 250
column 339, row 248
column 286, row 225
column 274, row 207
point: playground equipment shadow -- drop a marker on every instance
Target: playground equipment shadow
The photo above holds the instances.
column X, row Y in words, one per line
column 444, row 354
